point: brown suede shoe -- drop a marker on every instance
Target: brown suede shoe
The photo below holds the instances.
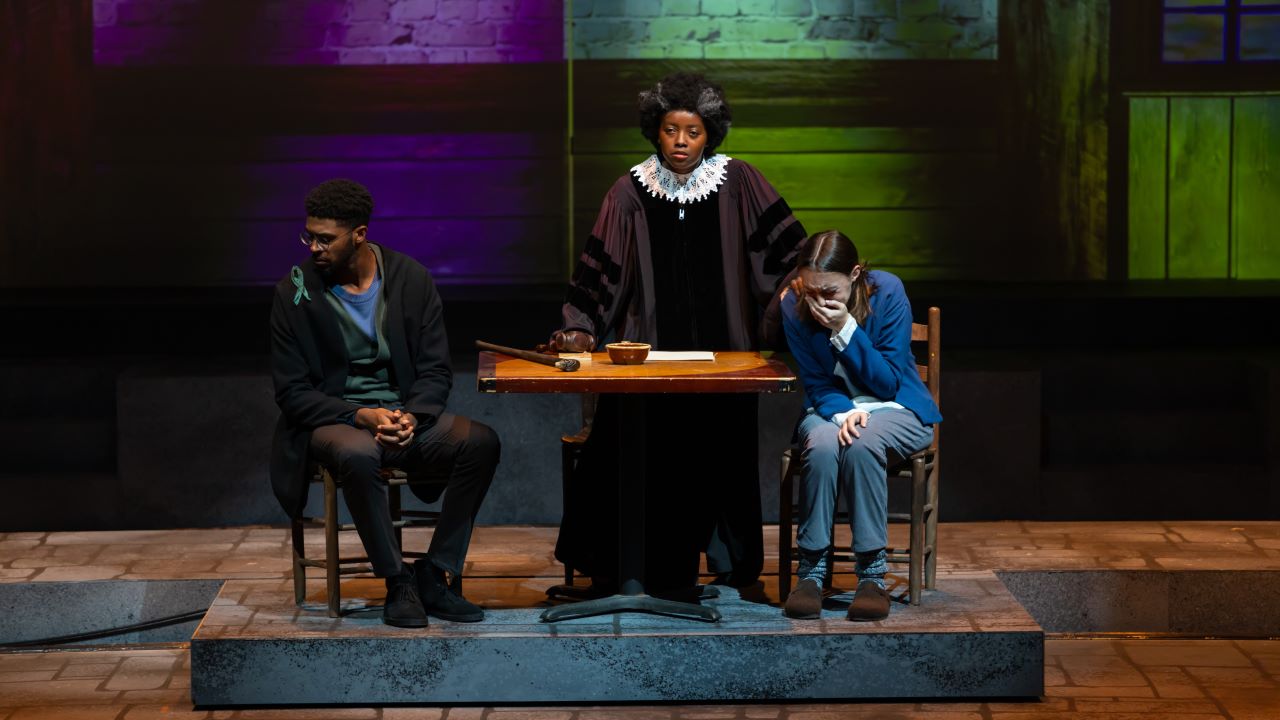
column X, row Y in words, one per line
column 804, row 602
column 871, row 602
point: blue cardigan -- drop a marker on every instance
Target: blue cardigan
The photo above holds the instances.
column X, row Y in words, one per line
column 878, row 357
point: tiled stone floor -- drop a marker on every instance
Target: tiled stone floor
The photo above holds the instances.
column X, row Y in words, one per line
column 524, row 551
column 1113, row 679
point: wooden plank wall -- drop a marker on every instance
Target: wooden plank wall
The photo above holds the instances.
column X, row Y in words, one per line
column 1148, row 143
column 1255, row 183
column 1055, row 135
column 1199, row 188
column 1202, row 187
column 901, row 155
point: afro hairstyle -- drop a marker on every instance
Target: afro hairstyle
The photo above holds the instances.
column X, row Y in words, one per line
column 685, row 91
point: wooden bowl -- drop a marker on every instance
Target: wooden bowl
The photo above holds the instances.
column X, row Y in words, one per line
column 627, row 353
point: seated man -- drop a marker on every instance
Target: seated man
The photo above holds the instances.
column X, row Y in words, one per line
column 360, row 363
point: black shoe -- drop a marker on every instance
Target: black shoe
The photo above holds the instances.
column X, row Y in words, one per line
column 439, row 599
column 402, row 608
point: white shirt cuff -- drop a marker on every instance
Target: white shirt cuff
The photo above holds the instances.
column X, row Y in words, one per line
column 841, row 339
column 839, row 418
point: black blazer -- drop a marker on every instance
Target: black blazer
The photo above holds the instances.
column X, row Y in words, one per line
column 309, row 363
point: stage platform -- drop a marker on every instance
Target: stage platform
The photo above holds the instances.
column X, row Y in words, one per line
column 1120, row 603
column 970, row 639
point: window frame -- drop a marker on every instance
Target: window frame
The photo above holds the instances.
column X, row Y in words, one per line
column 1233, row 13
column 1138, row 65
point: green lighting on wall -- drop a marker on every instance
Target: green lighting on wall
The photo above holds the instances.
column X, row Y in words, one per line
column 1204, row 187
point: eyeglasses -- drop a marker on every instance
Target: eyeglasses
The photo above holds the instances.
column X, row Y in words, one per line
column 307, row 238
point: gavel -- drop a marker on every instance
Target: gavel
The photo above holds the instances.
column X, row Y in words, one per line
column 565, row 364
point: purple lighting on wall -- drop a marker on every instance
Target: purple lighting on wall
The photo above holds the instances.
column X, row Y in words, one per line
column 472, row 207
column 326, row 32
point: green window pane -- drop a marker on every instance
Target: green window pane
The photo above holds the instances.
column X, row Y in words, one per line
column 1193, row 37
column 1260, row 37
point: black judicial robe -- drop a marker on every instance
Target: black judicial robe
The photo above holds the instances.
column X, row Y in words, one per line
column 309, row 362
column 698, row 275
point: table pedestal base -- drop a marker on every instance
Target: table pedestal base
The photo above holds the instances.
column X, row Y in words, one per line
column 631, row 603
column 578, row 593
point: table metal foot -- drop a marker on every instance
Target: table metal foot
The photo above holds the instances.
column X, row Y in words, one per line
column 631, row 603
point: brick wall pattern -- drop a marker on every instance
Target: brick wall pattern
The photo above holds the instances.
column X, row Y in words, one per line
column 377, row 32
column 327, row 32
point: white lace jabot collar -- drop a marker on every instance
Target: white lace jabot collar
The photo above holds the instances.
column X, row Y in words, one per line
column 663, row 183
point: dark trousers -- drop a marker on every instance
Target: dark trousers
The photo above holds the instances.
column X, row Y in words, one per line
column 465, row 449
column 702, row 492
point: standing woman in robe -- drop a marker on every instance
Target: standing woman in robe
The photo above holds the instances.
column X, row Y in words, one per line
column 687, row 253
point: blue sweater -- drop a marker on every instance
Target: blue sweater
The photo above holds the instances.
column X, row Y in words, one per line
column 878, row 357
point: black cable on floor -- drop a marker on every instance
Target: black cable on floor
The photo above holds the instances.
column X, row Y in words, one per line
column 108, row 632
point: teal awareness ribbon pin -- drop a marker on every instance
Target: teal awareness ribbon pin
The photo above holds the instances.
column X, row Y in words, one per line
column 295, row 275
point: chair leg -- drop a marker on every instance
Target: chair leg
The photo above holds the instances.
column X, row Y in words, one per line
column 299, row 570
column 786, row 508
column 916, row 565
column 393, row 506
column 931, row 530
column 568, row 458
column 331, row 574
column 829, row 581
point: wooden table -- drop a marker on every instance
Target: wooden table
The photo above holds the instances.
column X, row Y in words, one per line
column 730, row 372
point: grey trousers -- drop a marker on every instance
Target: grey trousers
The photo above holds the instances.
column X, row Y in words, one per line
column 860, row 469
column 468, row 450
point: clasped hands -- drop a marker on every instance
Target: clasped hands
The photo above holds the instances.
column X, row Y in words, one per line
column 391, row 428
